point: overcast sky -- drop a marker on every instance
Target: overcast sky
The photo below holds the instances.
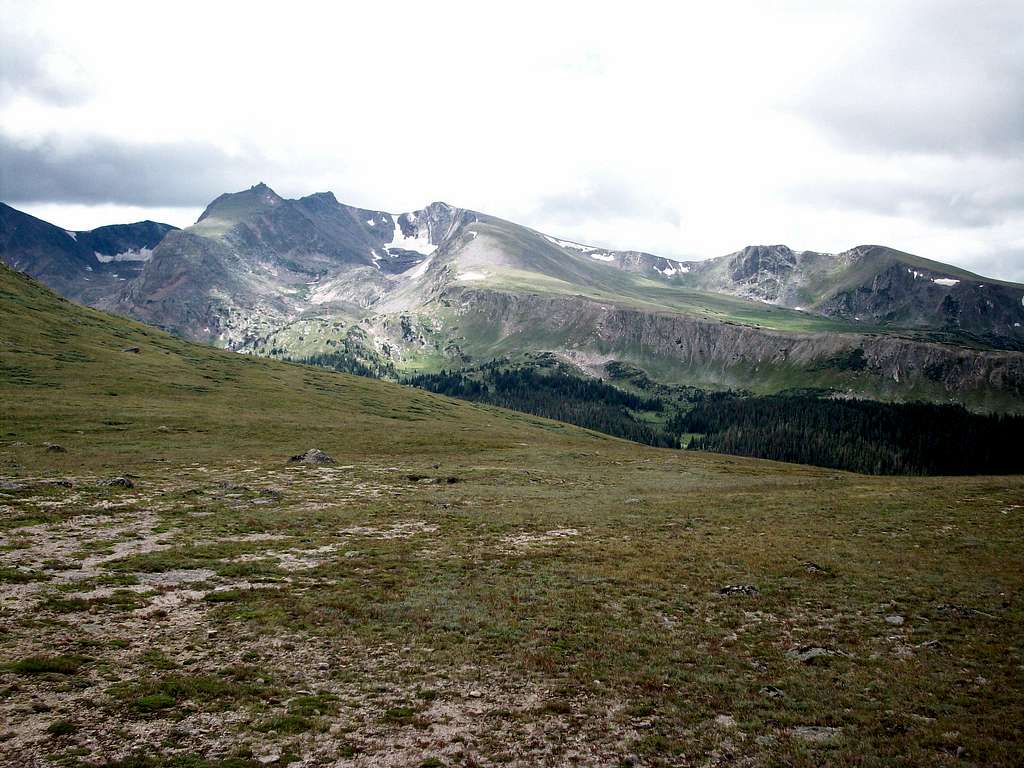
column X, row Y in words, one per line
column 684, row 129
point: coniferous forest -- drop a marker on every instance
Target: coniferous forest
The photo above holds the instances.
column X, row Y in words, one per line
column 586, row 403
column 858, row 435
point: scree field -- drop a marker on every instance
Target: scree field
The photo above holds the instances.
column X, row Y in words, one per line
column 463, row 586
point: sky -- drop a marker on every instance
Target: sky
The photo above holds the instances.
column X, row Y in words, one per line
column 684, row 129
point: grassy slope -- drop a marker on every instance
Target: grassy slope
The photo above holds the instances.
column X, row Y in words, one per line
column 356, row 615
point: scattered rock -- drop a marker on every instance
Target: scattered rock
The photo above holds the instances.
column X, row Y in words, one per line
column 895, row 620
column 725, row 721
column 739, row 589
column 116, row 482
column 267, row 755
column 962, row 611
column 132, row 350
column 633, row 500
column 815, row 733
column 812, row 567
column 312, row 456
column 812, row 654
column 54, row 448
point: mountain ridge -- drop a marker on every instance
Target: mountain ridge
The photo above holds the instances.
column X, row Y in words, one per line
column 419, row 290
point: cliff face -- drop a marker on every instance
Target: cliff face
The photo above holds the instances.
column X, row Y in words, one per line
column 699, row 351
column 869, row 284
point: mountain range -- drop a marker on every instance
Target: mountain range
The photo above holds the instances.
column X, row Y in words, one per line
column 443, row 287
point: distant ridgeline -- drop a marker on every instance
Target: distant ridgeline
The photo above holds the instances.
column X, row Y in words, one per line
column 801, row 427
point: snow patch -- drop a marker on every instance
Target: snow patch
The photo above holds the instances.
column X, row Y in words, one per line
column 72, row 235
column 915, row 273
column 142, row 254
column 371, row 222
column 421, row 268
column 945, row 281
column 467, row 276
column 568, row 244
column 679, row 269
column 602, row 256
column 418, row 242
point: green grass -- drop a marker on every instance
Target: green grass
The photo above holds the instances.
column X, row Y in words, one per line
column 571, row 581
column 45, row 665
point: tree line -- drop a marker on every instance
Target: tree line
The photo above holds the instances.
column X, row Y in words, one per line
column 586, row 403
column 858, row 435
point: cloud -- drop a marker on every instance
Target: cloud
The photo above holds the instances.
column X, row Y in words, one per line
column 926, row 77
column 946, row 203
column 97, row 170
column 604, row 197
column 32, row 67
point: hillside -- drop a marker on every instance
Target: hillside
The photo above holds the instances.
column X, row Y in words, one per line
column 443, row 286
column 464, row 584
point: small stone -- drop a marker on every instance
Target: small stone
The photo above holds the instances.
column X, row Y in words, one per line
column 725, row 721
column 132, row 350
column 54, row 448
column 739, row 589
column 895, row 620
column 475, row 694
column 116, row 482
column 811, row 654
column 771, row 692
column 268, row 756
column 815, row 733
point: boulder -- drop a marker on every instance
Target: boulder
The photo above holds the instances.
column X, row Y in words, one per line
column 312, row 456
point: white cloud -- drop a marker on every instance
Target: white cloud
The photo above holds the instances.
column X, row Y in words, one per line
column 688, row 129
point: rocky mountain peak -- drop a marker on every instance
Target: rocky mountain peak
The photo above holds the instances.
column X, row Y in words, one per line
column 757, row 260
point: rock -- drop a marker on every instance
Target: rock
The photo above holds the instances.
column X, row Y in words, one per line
column 812, row 567
column 132, row 350
column 739, row 589
column 771, row 692
column 725, row 721
column 815, row 733
column 54, row 448
column 895, row 620
column 475, row 694
column 811, row 654
column 962, row 611
column 267, row 755
column 163, row 428
column 116, row 482
column 312, row 456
